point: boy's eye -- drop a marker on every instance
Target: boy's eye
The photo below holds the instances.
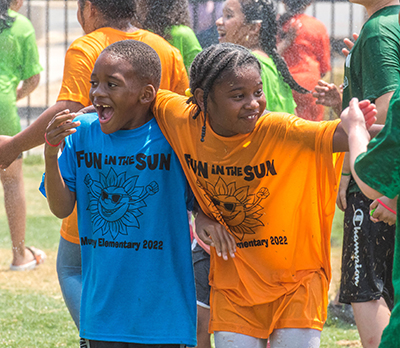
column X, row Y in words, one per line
column 238, row 96
column 94, row 83
column 110, row 84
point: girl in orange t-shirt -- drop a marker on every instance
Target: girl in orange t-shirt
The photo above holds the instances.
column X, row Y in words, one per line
column 270, row 179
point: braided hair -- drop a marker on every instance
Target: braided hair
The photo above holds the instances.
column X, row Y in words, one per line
column 293, row 7
column 209, row 65
column 264, row 12
column 5, row 20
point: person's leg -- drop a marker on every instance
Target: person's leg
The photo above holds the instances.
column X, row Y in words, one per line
column 14, row 201
column 295, row 338
column 371, row 317
column 203, row 318
column 70, row 276
column 201, row 266
column 225, row 339
column 366, row 269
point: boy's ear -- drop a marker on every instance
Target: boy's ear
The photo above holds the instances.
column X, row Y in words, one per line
column 148, row 94
column 199, row 96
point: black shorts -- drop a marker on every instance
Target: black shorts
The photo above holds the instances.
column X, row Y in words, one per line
column 201, row 266
column 367, row 257
column 85, row 343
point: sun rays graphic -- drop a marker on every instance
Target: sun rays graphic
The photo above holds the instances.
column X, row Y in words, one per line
column 239, row 209
column 115, row 202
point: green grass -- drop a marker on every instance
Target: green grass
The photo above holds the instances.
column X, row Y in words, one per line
column 35, row 320
column 32, row 311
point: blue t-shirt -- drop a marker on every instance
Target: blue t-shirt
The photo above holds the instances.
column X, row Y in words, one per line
column 137, row 274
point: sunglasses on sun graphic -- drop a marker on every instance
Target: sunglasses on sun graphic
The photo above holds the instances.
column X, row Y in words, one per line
column 229, row 206
column 114, row 197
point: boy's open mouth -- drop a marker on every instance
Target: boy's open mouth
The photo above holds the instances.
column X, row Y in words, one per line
column 105, row 112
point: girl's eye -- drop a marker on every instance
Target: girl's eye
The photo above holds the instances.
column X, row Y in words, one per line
column 259, row 92
column 238, row 96
column 111, row 85
column 94, row 83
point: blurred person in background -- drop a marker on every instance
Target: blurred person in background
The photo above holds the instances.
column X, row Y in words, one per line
column 19, row 61
column 304, row 44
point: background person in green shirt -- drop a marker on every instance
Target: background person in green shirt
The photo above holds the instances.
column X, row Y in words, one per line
column 19, row 61
column 170, row 19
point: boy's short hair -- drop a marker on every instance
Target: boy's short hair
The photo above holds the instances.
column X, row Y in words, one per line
column 114, row 9
column 144, row 60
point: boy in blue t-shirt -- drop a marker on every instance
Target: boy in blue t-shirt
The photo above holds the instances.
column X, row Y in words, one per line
column 132, row 195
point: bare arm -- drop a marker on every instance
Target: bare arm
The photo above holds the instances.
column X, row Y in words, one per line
column 382, row 106
column 353, row 123
column 60, row 199
column 28, row 86
column 340, row 141
column 32, row 136
column 214, row 234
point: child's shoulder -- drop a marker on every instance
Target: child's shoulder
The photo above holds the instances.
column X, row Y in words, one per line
column 87, row 119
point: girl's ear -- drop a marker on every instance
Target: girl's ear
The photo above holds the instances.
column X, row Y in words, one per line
column 148, row 94
column 199, row 97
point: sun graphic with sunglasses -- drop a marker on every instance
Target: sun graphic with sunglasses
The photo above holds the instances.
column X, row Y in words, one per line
column 239, row 210
column 115, row 202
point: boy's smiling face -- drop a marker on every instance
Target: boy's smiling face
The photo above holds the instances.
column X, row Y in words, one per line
column 117, row 94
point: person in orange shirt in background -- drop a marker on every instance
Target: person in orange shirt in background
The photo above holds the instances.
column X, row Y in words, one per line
column 104, row 22
column 304, row 44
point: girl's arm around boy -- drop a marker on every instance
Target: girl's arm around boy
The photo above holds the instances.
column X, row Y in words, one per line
column 60, row 199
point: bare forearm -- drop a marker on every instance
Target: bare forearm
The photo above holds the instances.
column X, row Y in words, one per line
column 60, row 199
column 28, row 86
column 341, row 140
column 358, row 142
column 33, row 135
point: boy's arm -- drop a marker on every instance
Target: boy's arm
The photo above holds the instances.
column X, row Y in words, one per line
column 60, row 199
column 354, row 124
column 32, row 136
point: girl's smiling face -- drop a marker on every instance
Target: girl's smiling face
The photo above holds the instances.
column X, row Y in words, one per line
column 236, row 102
column 232, row 25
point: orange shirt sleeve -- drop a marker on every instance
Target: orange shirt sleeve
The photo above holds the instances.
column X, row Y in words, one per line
column 77, row 71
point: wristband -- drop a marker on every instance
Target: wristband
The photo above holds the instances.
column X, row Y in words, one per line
column 346, row 174
column 47, row 142
column 385, row 206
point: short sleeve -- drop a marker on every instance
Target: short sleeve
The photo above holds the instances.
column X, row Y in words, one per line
column 77, row 71
column 379, row 167
column 380, row 54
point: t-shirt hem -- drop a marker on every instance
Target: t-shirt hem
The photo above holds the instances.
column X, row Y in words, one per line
column 74, row 98
column 265, row 333
column 378, row 94
column 370, row 182
column 141, row 340
column 69, row 238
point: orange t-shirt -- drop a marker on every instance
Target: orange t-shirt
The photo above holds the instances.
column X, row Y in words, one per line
column 79, row 63
column 308, row 58
column 274, row 189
